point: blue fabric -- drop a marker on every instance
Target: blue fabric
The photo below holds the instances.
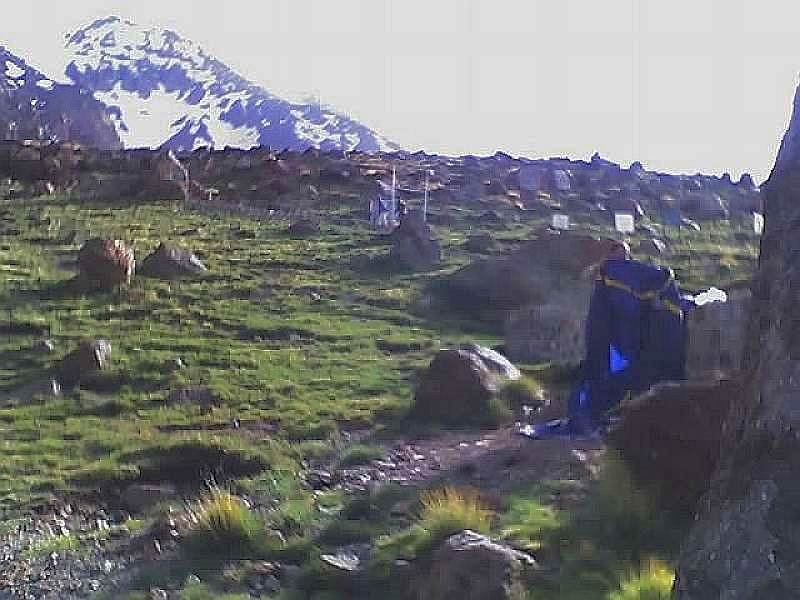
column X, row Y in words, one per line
column 618, row 362
column 635, row 337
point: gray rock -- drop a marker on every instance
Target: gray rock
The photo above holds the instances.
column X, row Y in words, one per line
column 171, row 262
column 470, row 566
column 415, row 246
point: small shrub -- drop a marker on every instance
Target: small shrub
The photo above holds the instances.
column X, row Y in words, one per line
column 653, row 582
column 448, row 510
column 224, row 526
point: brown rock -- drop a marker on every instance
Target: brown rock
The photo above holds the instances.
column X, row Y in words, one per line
column 90, row 357
column 105, row 264
column 671, row 437
column 460, row 384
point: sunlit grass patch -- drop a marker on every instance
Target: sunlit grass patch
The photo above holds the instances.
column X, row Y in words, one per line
column 652, row 582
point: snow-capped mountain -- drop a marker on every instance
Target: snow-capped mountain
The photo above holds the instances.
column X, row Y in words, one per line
column 165, row 91
column 32, row 106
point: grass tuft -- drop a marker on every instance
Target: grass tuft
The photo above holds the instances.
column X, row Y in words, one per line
column 449, row 510
column 652, row 582
column 226, row 527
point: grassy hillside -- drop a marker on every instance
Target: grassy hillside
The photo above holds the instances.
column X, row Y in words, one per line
column 298, row 339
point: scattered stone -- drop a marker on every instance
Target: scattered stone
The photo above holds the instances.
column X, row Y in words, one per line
column 90, row 357
column 196, row 395
column 343, row 560
column 45, row 346
column 171, row 262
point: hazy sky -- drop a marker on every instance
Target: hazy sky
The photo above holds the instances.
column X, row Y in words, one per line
column 681, row 85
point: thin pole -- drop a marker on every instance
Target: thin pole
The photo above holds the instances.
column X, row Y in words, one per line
column 425, row 206
column 394, row 202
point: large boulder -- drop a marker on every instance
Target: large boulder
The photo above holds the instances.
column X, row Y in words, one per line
column 105, row 264
column 460, row 385
column 550, row 332
column 171, row 262
column 470, row 566
column 745, row 542
column 554, row 263
column 414, row 245
column 671, row 436
column 89, row 357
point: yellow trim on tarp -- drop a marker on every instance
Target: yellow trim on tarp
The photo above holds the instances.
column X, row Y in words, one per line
column 651, row 295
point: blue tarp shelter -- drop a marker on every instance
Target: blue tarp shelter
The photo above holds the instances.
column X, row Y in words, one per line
column 635, row 337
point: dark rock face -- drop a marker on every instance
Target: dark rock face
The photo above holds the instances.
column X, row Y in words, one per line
column 460, row 383
column 470, row 566
column 746, row 541
column 671, row 437
column 105, row 264
column 171, row 262
column 90, row 356
column 415, row 246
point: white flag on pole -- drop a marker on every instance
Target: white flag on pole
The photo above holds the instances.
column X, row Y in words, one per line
column 758, row 223
column 561, row 222
column 624, row 222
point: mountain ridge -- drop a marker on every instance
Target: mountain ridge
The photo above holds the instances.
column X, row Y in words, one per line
column 34, row 106
column 164, row 90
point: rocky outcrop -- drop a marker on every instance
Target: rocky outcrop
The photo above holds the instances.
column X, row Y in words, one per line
column 105, row 264
column 470, row 566
column 171, row 262
column 745, row 543
column 460, row 385
column 415, row 246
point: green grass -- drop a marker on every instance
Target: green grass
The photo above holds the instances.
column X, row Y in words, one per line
column 653, row 582
column 290, row 370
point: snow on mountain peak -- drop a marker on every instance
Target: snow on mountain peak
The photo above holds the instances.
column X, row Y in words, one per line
column 165, row 90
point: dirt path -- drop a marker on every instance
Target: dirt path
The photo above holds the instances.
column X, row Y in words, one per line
column 495, row 461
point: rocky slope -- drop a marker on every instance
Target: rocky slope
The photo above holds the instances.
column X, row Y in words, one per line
column 745, row 542
column 165, row 90
column 32, row 106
